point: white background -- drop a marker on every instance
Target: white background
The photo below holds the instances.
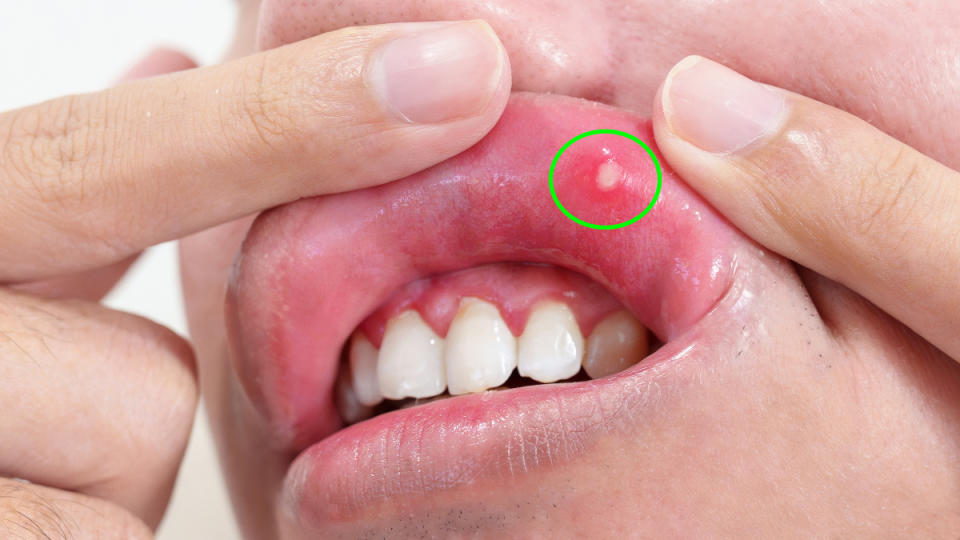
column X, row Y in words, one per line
column 55, row 47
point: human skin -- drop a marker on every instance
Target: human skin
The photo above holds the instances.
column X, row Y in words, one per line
column 98, row 404
column 804, row 411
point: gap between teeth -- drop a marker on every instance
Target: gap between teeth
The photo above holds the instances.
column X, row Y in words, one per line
column 480, row 353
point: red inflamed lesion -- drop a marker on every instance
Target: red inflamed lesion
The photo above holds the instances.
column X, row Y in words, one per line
column 605, row 179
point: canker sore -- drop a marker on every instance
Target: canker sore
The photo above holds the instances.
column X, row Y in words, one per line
column 609, row 175
column 603, row 179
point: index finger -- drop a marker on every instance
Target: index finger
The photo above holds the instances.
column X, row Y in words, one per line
column 87, row 180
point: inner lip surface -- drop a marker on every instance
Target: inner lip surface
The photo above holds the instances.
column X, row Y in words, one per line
column 311, row 271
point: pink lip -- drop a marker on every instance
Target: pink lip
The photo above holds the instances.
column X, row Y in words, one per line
column 310, row 272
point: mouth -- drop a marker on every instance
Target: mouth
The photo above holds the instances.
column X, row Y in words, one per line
column 491, row 327
column 455, row 326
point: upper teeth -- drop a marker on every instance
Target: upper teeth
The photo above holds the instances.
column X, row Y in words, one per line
column 411, row 359
column 363, row 369
column 480, row 352
column 551, row 346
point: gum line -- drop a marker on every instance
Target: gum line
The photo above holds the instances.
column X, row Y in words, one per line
column 514, row 288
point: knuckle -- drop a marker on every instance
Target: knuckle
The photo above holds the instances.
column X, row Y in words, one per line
column 886, row 194
column 264, row 103
column 56, row 149
column 57, row 158
column 778, row 206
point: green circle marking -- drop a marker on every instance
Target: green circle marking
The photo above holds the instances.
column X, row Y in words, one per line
column 634, row 219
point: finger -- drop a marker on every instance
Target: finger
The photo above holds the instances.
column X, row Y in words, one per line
column 821, row 187
column 94, row 401
column 90, row 179
column 31, row 511
column 94, row 284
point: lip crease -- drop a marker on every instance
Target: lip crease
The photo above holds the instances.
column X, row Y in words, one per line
column 311, row 271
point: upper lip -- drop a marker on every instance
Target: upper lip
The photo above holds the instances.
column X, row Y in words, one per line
column 311, row 271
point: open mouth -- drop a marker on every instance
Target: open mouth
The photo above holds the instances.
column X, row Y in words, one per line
column 346, row 310
column 491, row 327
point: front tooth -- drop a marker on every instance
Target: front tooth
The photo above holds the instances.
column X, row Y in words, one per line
column 618, row 342
column 481, row 352
column 411, row 359
column 363, row 365
column 551, row 346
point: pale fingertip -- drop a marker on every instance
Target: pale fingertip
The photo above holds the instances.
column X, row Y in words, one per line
column 717, row 109
column 443, row 73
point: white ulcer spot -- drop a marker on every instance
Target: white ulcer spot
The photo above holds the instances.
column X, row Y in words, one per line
column 609, row 175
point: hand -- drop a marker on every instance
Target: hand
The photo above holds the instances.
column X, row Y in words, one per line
column 823, row 188
column 97, row 405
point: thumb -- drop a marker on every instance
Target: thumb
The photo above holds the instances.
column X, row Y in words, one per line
column 821, row 187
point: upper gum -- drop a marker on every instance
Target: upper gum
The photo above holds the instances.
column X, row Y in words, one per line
column 514, row 288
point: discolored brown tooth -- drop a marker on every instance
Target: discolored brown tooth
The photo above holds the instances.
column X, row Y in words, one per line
column 616, row 343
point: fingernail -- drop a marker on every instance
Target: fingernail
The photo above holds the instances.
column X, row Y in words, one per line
column 440, row 74
column 716, row 108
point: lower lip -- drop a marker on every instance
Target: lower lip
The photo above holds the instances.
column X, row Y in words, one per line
column 295, row 298
column 457, row 441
